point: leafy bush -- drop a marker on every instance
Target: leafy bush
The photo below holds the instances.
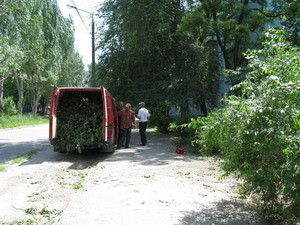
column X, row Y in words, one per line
column 189, row 131
column 160, row 117
column 259, row 134
column 8, row 106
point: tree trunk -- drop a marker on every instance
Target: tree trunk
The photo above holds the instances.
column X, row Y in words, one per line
column 35, row 100
column 238, row 41
column 203, row 106
column 1, row 90
column 20, row 87
column 222, row 46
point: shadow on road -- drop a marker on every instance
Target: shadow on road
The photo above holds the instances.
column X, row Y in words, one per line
column 159, row 151
column 10, row 150
column 223, row 212
column 79, row 161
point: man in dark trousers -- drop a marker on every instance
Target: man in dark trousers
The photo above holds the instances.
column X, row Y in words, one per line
column 143, row 115
column 120, row 106
column 127, row 122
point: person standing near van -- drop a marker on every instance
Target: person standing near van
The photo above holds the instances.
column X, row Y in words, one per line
column 143, row 115
column 119, row 107
column 127, row 119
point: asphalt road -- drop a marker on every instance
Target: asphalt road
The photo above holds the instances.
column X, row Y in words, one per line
column 16, row 141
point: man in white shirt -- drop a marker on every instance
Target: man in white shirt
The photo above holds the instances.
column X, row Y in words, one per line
column 143, row 115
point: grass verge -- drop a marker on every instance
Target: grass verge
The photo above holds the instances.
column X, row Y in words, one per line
column 21, row 222
column 21, row 120
column 23, row 157
column 18, row 159
column 2, row 167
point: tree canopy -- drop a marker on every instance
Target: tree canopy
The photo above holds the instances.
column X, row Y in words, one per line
column 145, row 58
column 41, row 50
column 173, row 51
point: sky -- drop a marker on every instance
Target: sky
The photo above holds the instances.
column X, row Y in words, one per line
column 83, row 30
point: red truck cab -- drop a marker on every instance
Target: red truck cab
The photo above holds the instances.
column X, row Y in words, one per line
column 64, row 97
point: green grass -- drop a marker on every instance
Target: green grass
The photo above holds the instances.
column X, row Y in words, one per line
column 45, row 213
column 77, row 185
column 2, row 168
column 21, row 222
column 23, row 157
column 21, row 120
column 31, row 211
column 18, row 159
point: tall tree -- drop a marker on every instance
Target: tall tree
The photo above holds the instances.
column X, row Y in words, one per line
column 287, row 13
column 136, row 47
column 46, row 40
column 71, row 67
column 10, row 61
column 234, row 24
column 237, row 25
column 146, row 58
column 14, row 16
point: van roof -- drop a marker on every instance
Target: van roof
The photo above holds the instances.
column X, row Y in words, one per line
column 80, row 88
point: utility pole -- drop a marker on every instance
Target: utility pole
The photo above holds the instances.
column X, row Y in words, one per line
column 93, row 47
column 93, row 37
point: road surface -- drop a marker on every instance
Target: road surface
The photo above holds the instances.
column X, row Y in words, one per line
column 141, row 185
column 15, row 141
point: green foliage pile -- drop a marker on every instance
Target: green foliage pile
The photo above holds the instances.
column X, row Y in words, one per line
column 259, row 132
column 79, row 124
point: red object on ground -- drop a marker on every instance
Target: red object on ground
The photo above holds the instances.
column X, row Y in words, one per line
column 180, row 151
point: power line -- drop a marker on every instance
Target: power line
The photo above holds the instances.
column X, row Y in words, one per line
column 73, row 5
column 93, row 32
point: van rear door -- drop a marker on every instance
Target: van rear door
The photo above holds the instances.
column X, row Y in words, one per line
column 53, row 113
column 109, row 128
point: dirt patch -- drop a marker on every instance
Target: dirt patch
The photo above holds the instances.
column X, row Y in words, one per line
column 139, row 185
